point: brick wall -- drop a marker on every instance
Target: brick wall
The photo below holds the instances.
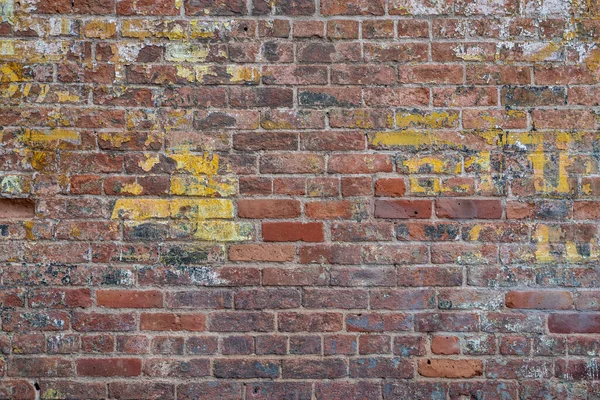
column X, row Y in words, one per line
column 299, row 199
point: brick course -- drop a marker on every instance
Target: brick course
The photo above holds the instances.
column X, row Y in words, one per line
column 299, row 199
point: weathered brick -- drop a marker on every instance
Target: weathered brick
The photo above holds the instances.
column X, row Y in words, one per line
column 109, row 367
column 558, row 300
column 442, row 368
column 299, row 199
column 293, row 231
column 129, row 298
column 172, row 322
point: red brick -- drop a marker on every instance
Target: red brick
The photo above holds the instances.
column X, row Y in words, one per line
column 172, row 322
column 333, row 209
column 390, row 187
column 466, row 208
column 403, row 209
column 328, row 368
column 36, row 367
column 145, row 7
column 261, row 252
column 109, row 367
column 445, row 345
column 342, row 29
column 240, row 322
column 268, row 208
column 210, row 390
column 129, row 298
column 574, row 323
column 128, row 390
column 310, row 322
column 442, row 368
column 359, row 163
column 17, row 208
column 60, row 298
column 370, row 147
column 258, row 299
column 240, row 369
column 551, row 299
column 300, row 276
column 292, row 231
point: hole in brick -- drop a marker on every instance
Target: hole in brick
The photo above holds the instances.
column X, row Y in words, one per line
column 36, row 386
column 17, row 208
column 428, row 361
column 246, row 29
column 416, row 212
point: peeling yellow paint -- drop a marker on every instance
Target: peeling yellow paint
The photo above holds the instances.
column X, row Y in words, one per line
column 186, row 73
column 541, row 237
column 12, row 72
column 7, row 47
column 149, row 162
column 140, row 209
column 196, row 164
column 100, row 29
column 424, row 186
column 57, row 134
column 406, row 138
column 241, row 74
column 29, row 230
column 132, row 188
column 202, row 186
column 11, row 184
column 7, row 11
column 134, row 28
column 430, row 164
column 115, row 139
column 434, row 120
column 66, row 97
column 475, row 232
column 186, row 52
column 207, row 29
column 224, row 231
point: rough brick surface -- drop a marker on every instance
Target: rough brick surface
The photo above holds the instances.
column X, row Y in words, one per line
column 299, row 199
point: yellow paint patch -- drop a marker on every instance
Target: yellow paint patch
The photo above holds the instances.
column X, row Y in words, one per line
column 224, row 231
column 424, row 186
column 36, row 136
column 12, row 72
column 208, row 29
column 241, row 74
column 67, row 97
column 135, row 28
column 407, row 138
column 545, row 52
column 206, row 163
column 115, row 139
column 201, row 208
column 475, row 232
column 141, row 209
column 186, row 52
column 434, row 120
column 7, row 47
column 100, row 29
column 7, row 11
column 186, row 73
column 431, row 164
column 481, row 162
column 173, row 32
column 132, row 188
column 202, row 186
column 149, row 162
column 29, row 230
